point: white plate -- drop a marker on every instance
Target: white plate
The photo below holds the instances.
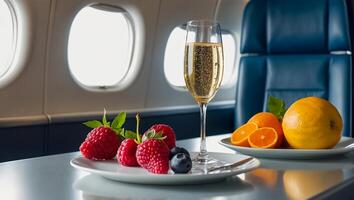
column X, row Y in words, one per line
column 344, row 146
column 112, row 170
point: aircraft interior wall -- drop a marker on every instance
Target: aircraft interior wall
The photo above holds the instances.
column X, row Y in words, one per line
column 43, row 105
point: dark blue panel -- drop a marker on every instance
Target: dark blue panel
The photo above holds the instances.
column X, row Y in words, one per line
column 21, row 142
column 65, row 137
column 297, row 72
column 301, row 26
column 253, row 35
column 297, row 26
column 250, row 88
column 291, row 77
column 338, row 31
column 350, row 4
column 339, row 90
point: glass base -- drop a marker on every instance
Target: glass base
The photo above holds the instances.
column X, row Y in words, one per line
column 202, row 162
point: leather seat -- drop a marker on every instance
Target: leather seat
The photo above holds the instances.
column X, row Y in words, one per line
column 293, row 49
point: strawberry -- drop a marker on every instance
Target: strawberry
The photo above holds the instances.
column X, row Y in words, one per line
column 126, row 153
column 153, row 155
column 167, row 131
column 103, row 141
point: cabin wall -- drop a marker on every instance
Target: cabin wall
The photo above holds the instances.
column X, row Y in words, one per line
column 43, row 108
column 24, row 95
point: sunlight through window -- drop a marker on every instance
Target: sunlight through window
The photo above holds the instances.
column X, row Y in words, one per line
column 7, row 36
column 174, row 55
column 100, row 47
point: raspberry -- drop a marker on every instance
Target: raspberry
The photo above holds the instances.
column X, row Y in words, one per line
column 167, row 131
column 158, row 166
column 100, row 144
column 153, row 155
column 126, row 153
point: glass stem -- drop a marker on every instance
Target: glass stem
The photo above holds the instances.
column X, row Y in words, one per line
column 203, row 154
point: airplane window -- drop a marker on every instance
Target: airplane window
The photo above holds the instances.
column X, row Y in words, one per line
column 100, row 46
column 7, row 36
column 174, row 55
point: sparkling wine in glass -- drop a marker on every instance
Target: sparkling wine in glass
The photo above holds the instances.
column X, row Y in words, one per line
column 203, row 72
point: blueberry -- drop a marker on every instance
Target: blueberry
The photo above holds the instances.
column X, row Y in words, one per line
column 181, row 163
column 177, row 150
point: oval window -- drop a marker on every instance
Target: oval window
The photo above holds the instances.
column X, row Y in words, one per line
column 100, row 46
column 174, row 56
column 7, row 36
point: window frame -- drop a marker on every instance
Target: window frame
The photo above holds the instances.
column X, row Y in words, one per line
column 232, row 79
column 124, row 82
column 7, row 76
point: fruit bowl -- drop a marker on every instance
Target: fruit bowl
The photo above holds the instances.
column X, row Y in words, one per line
column 345, row 145
column 113, row 171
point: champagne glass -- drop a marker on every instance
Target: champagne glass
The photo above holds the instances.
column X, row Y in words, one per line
column 203, row 72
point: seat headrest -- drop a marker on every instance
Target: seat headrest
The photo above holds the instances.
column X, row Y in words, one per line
column 295, row 26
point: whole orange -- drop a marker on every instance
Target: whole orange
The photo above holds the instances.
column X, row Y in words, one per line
column 312, row 123
column 267, row 119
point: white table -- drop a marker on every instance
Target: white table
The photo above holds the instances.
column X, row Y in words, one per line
column 52, row 178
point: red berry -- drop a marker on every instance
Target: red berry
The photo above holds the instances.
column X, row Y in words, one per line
column 100, row 144
column 158, row 166
column 126, row 153
column 152, row 155
column 167, row 131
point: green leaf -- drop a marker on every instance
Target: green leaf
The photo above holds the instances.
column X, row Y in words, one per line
column 129, row 134
column 117, row 130
column 120, row 130
column 119, row 120
column 93, row 124
column 147, row 135
column 104, row 119
column 277, row 107
column 152, row 134
column 159, row 135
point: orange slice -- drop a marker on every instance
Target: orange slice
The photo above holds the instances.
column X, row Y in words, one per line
column 240, row 136
column 263, row 138
column 267, row 119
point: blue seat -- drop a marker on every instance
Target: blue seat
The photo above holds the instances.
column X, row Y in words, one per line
column 293, row 49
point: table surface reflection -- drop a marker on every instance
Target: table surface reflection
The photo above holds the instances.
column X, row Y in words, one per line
column 52, row 177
